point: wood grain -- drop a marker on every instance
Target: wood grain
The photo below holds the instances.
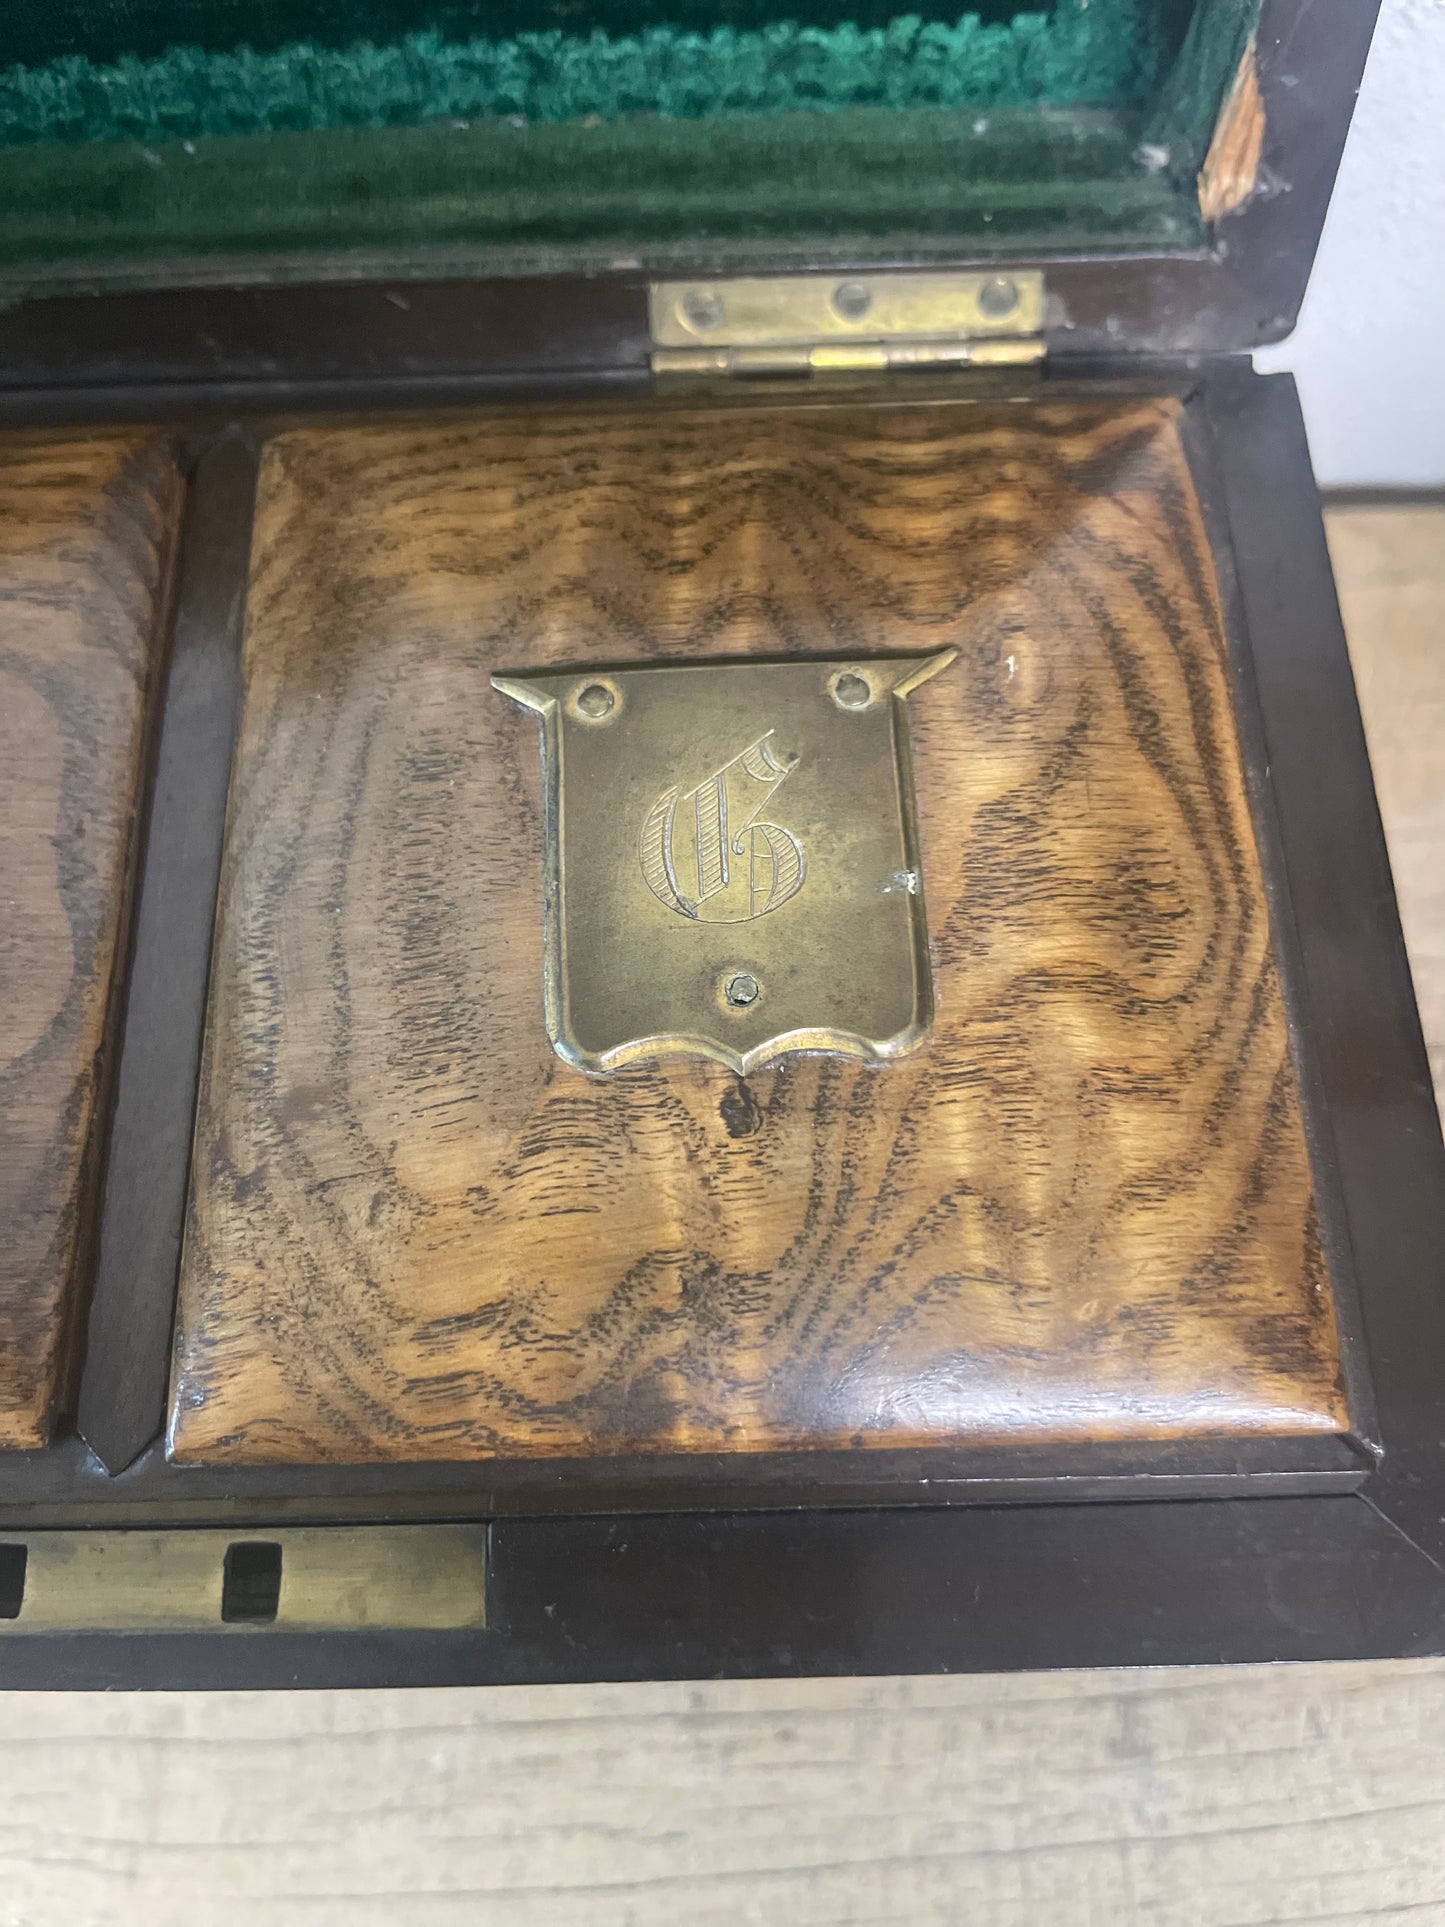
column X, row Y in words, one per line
column 1389, row 562
column 1083, row 1210
column 85, row 525
column 1289, row 1796
column 1233, row 1797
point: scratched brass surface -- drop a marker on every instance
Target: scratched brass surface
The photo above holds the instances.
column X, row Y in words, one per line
column 332, row 1578
column 730, row 861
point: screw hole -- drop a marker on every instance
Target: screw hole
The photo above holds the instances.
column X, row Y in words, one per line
column 13, row 1561
column 852, row 692
column 852, row 301
column 998, row 297
column 251, row 1582
column 742, row 989
column 702, row 310
column 596, row 701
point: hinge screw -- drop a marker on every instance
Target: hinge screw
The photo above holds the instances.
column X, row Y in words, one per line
column 702, row 310
column 852, row 300
column 998, row 297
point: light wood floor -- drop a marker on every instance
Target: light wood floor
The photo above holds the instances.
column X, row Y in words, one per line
column 1390, row 568
column 1237, row 1797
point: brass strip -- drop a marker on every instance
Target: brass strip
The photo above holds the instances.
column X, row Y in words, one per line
column 847, row 358
column 332, row 1579
column 810, row 309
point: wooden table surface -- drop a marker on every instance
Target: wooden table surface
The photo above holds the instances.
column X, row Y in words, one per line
column 1232, row 1797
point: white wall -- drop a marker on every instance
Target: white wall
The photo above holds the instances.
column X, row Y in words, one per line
column 1369, row 351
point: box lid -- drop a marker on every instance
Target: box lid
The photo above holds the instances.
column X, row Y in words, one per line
column 1166, row 163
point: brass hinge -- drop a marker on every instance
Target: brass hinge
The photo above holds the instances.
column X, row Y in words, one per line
column 806, row 324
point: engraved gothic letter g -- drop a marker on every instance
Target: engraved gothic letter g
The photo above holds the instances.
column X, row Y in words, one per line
column 706, row 855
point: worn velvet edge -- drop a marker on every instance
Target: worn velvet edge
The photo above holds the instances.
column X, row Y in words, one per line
column 1083, row 53
column 878, row 183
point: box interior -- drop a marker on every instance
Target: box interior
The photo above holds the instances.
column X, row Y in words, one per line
column 150, row 142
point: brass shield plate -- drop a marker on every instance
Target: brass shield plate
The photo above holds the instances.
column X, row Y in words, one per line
column 731, row 860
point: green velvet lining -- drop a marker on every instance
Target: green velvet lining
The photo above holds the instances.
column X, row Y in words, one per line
column 810, row 184
column 913, row 140
column 1087, row 53
column 39, row 31
column 1182, row 115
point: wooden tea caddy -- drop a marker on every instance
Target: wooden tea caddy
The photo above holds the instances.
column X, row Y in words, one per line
column 890, row 1132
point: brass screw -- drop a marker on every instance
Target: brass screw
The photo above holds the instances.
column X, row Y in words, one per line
column 742, row 990
column 596, row 700
column 852, row 300
column 998, row 297
column 852, row 692
column 702, row 310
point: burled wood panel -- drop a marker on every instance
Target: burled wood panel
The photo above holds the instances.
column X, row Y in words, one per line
column 1082, row 1210
column 85, row 525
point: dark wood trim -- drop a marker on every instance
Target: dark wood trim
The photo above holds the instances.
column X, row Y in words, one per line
column 792, row 1594
column 392, row 343
column 95, row 1164
column 121, row 1405
column 1374, row 1070
column 66, row 1486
